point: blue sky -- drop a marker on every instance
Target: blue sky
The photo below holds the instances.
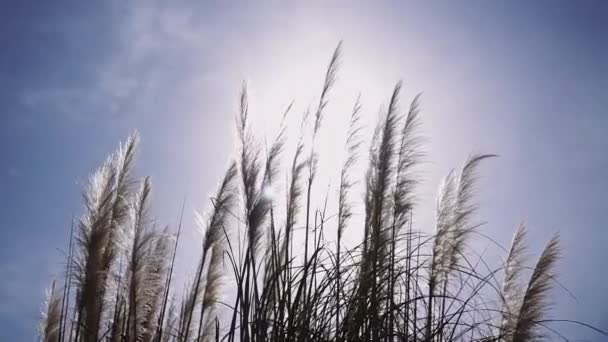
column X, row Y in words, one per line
column 525, row 80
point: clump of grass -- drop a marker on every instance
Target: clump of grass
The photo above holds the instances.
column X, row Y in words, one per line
column 401, row 282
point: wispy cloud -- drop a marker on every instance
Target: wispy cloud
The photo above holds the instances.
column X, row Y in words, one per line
column 151, row 41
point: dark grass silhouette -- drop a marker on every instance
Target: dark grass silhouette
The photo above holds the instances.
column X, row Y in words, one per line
column 399, row 284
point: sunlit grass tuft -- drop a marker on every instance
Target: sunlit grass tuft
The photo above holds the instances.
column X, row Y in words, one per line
column 282, row 255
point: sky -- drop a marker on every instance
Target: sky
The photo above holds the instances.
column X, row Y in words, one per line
column 525, row 80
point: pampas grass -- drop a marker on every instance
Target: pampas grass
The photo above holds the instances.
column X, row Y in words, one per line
column 400, row 283
column 51, row 315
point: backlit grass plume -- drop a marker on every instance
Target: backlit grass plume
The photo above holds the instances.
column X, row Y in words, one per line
column 274, row 262
column 51, row 315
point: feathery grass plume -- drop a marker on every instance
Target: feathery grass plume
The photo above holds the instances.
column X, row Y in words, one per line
column 121, row 206
column 403, row 200
column 222, row 205
column 330, row 79
column 140, row 240
column 249, row 166
column 158, row 268
column 51, row 315
column 464, row 208
column 512, row 289
column 443, row 218
column 294, row 191
column 379, row 181
column 250, row 169
column 454, row 213
column 440, row 253
column 92, row 240
column 212, row 292
column 328, row 83
column 535, row 302
column 272, row 165
column 353, row 142
column 382, row 166
column 106, row 210
column 409, row 157
column 257, row 205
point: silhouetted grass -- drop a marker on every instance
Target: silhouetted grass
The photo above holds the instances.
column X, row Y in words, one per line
column 401, row 283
